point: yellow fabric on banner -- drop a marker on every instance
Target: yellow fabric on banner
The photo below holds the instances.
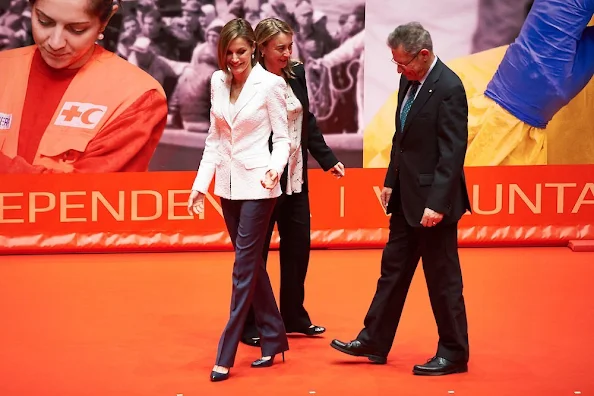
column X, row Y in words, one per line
column 495, row 136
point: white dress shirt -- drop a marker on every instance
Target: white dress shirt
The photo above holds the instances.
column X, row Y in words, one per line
column 295, row 118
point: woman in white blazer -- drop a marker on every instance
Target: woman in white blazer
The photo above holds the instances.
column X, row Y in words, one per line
column 247, row 103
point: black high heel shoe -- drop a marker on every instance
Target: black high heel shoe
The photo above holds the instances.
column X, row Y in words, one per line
column 215, row 376
column 310, row 331
column 261, row 363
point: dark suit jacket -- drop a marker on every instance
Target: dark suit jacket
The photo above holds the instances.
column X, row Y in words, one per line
column 427, row 158
column 312, row 138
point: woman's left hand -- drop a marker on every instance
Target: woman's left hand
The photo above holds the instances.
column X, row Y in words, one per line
column 270, row 179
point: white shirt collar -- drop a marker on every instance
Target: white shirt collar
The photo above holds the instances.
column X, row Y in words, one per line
column 428, row 71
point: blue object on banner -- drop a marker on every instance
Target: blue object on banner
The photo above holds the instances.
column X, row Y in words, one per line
column 550, row 62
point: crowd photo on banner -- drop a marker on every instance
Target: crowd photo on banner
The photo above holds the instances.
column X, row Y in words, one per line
column 175, row 41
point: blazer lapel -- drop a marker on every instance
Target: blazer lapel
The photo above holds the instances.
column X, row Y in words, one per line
column 401, row 94
column 424, row 94
column 249, row 89
column 224, row 98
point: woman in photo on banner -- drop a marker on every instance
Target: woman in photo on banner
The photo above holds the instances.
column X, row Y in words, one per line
column 274, row 38
column 247, row 103
column 69, row 104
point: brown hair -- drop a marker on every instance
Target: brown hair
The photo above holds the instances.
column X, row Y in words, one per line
column 234, row 29
column 99, row 8
column 265, row 31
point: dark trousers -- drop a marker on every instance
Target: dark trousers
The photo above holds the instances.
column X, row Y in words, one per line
column 438, row 246
column 293, row 218
column 247, row 222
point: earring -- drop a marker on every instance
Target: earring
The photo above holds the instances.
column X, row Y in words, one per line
column 101, row 36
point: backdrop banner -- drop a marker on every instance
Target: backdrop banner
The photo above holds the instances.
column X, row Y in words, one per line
column 545, row 198
column 540, row 205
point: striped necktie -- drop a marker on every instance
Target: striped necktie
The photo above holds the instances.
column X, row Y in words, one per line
column 408, row 104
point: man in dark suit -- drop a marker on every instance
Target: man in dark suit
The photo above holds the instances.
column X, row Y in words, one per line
column 426, row 194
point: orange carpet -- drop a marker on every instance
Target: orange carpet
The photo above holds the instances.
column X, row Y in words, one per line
column 148, row 325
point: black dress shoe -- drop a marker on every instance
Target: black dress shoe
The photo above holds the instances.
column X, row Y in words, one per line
column 356, row 348
column 216, row 376
column 250, row 341
column 261, row 363
column 440, row 366
column 310, row 331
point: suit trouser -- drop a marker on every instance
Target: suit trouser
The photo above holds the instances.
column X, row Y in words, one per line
column 247, row 222
column 292, row 215
column 438, row 246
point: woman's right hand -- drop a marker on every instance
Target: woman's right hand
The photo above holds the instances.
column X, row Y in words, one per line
column 195, row 203
column 270, row 179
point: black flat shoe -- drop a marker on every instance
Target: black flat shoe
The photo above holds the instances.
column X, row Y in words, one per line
column 261, row 363
column 356, row 348
column 216, row 376
column 440, row 366
column 310, row 331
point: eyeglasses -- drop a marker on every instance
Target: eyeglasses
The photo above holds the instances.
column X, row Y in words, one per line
column 407, row 63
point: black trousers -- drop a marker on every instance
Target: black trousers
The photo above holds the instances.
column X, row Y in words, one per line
column 293, row 218
column 438, row 246
column 247, row 222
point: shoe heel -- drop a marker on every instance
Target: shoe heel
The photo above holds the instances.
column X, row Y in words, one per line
column 283, row 355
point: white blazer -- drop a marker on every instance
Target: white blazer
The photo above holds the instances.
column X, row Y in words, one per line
column 237, row 149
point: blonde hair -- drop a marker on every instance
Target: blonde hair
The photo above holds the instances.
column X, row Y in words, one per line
column 234, row 29
column 265, row 31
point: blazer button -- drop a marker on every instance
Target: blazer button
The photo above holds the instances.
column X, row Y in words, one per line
column 402, row 150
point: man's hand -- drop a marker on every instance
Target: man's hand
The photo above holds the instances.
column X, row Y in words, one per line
column 385, row 197
column 338, row 170
column 270, row 179
column 431, row 218
column 195, row 203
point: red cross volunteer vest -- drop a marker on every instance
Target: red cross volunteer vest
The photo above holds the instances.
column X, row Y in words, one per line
column 101, row 90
